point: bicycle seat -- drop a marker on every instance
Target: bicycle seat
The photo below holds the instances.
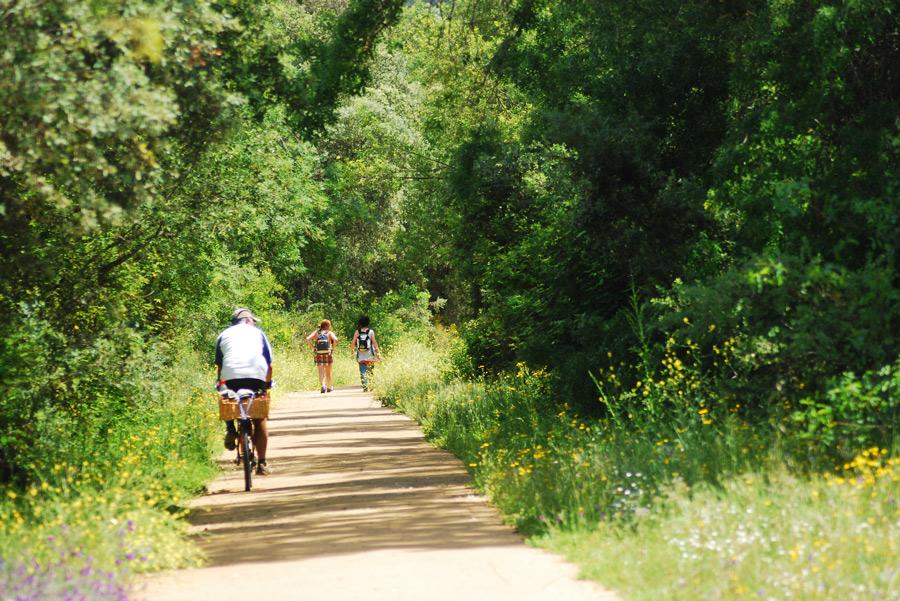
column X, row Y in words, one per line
column 245, row 393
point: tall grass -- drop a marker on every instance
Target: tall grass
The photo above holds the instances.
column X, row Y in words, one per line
column 670, row 471
column 294, row 370
column 756, row 536
column 103, row 502
column 108, row 480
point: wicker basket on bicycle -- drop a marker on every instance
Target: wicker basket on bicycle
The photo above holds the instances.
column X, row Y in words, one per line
column 228, row 408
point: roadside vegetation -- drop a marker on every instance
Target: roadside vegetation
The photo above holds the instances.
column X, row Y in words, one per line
column 153, row 177
column 699, row 504
column 657, row 242
column 106, row 486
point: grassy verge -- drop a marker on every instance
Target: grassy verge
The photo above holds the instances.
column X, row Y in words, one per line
column 105, row 502
column 108, row 482
column 697, row 503
column 295, row 371
column 757, row 536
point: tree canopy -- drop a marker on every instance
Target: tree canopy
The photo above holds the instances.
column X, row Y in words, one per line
column 571, row 184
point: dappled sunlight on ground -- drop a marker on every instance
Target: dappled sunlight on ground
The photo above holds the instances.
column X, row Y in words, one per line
column 354, row 480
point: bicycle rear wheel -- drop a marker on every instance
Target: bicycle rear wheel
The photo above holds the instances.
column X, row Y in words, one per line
column 246, row 456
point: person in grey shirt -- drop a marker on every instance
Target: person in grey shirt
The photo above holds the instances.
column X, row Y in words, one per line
column 364, row 348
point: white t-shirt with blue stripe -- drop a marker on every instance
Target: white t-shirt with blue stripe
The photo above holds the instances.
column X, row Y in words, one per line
column 243, row 351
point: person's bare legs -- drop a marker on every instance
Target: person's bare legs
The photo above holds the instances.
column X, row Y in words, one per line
column 322, row 370
column 261, row 438
column 328, row 386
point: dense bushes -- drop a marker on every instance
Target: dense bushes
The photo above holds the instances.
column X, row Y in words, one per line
column 142, row 198
column 98, row 476
column 739, row 170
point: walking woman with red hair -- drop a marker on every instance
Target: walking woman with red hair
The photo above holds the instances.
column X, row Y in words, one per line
column 323, row 341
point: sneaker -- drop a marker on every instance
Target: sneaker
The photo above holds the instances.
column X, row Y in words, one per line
column 323, row 390
column 262, row 469
column 331, row 390
column 231, row 440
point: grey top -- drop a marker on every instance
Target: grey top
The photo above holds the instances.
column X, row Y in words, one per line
column 369, row 353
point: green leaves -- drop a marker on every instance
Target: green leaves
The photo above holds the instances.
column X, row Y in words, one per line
column 308, row 59
column 141, row 199
column 94, row 102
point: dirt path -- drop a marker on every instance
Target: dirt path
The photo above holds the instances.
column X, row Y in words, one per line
column 359, row 507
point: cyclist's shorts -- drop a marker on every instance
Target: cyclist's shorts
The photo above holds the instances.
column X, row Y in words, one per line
column 251, row 383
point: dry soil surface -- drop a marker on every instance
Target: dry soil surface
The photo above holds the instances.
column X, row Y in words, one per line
column 359, row 506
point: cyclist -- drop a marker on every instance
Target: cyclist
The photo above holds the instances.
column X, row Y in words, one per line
column 364, row 348
column 323, row 341
column 244, row 360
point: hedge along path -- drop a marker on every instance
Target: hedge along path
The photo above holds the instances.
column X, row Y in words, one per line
column 359, row 506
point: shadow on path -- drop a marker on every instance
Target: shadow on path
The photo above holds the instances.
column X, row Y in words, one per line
column 349, row 476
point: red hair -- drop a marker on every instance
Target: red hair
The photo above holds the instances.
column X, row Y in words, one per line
column 325, row 325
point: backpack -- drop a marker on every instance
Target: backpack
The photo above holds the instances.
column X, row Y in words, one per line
column 363, row 341
column 323, row 344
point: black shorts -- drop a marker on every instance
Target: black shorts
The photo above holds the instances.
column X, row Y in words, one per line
column 253, row 384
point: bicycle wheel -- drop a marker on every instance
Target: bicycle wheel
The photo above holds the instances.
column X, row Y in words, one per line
column 246, row 456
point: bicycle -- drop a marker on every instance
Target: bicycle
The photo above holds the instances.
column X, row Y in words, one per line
column 241, row 405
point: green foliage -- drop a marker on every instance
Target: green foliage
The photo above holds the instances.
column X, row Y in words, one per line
column 98, row 94
column 735, row 164
column 144, row 193
column 686, row 209
column 101, row 478
column 401, row 314
column 855, row 410
column 308, row 59
column 777, row 336
column 546, row 465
